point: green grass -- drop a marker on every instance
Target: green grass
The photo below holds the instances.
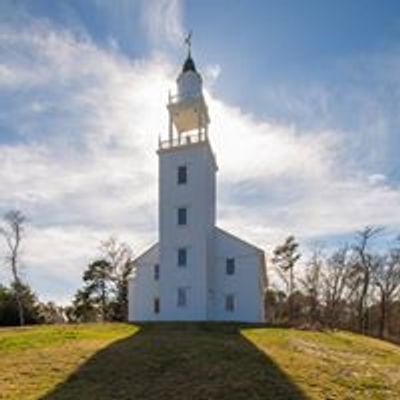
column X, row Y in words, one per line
column 193, row 361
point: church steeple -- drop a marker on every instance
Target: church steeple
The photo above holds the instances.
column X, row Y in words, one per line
column 187, row 109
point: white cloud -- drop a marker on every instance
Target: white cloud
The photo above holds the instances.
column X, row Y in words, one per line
column 86, row 166
column 163, row 21
column 212, row 73
column 100, row 179
column 279, row 180
column 376, row 179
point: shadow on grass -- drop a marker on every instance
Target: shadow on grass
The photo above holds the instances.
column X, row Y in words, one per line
column 179, row 361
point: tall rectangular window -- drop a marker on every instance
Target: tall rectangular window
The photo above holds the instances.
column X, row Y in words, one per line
column 182, row 216
column 182, row 257
column 182, row 175
column 230, row 266
column 182, row 297
column 156, row 305
column 156, row 272
column 229, row 303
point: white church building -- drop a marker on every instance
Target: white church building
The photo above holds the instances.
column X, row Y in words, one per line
column 196, row 271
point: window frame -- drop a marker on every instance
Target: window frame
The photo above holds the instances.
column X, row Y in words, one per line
column 230, row 303
column 182, row 175
column 156, row 305
column 157, row 272
column 182, row 216
column 182, row 257
column 230, row 266
column 182, row 297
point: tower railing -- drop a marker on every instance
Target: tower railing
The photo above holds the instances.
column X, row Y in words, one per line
column 182, row 140
column 178, row 97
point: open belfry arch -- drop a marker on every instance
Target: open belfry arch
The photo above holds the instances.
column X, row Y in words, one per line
column 187, row 109
column 196, row 271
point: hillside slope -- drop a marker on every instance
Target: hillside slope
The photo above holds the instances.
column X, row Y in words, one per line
column 193, row 361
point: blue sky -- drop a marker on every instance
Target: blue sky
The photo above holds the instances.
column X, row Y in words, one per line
column 304, row 101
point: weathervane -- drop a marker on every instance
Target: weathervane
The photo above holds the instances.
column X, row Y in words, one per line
column 188, row 41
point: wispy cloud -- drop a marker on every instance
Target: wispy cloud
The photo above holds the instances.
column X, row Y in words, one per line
column 359, row 101
column 163, row 21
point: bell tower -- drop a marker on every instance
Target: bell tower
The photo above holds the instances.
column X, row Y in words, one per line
column 187, row 175
column 187, row 109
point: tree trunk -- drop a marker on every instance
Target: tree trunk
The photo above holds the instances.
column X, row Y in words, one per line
column 388, row 320
column 20, row 308
column 290, row 303
column 17, row 288
column 362, row 316
column 103, row 301
column 382, row 321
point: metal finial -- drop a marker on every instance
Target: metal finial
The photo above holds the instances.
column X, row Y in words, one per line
column 188, row 42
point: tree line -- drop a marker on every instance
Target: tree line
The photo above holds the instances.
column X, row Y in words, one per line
column 354, row 287
column 103, row 296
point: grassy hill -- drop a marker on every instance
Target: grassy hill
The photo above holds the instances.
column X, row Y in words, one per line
column 193, row 361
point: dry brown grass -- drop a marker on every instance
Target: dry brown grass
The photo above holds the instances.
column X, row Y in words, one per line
column 194, row 361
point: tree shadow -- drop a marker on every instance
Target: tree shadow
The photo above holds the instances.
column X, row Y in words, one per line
column 179, row 361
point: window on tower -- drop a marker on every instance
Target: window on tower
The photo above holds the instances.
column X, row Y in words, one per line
column 229, row 303
column 182, row 175
column 156, row 305
column 230, row 266
column 182, row 297
column 182, row 257
column 182, row 216
column 156, row 272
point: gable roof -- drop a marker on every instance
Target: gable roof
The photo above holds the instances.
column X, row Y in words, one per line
column 232, row 236
column 145, row 253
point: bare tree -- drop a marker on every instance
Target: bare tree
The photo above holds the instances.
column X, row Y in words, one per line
column 115, row 252
column 363, row 273
column 387, row 280
column 335, row 283
column 311, row 282
column 285, row 258
column 13, row 233
column 119, row 255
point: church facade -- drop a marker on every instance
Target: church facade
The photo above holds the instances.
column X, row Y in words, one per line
column 196, row 271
